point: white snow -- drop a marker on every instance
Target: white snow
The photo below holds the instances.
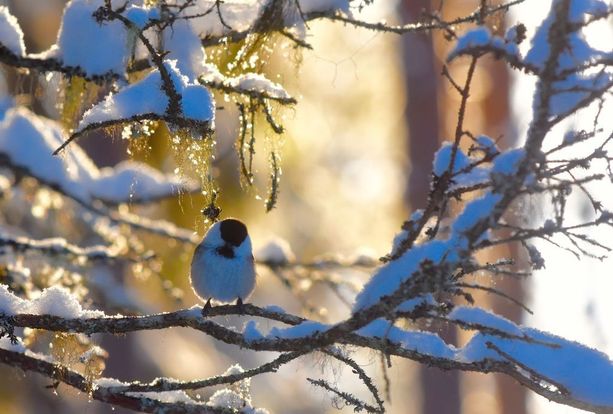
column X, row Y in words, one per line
column 442, row 159
column 54, row 300
column 249, row 83
column 10, row 304
column 96, row 48
column 576, row 87
column 58, row 301
column 175, row 396
column 306, row 328
column 274, row 308
column 511, row 35
column 578, row 9
column 109, row 382
column 474, row 176
column 251, row 332
column 579, row 51
column 575, row 84
column 238, row 14
column 481, row 317
column 390, row 276
column 256, row 82
column 481, row 37
column 506, row 163
column 5, row 343
column 585, row 372
column 211, row 74
column 143, row 97
column 475, row 211
column 94, row 351
column 29, row 140
column 140, row 15
column 185, row 47
column 469, row 175
column 6, row 102
column 233, row 400
column 197, row 102
column 227, row 399
column 234, row 370
column 147, row 97
column 55, row 244
column 130, row 179
column 275, row 251
column 426, row 343
column 399, row 238
column 11, row 35
column 487, row 144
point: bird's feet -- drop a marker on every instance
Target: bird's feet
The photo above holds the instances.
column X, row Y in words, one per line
column 206, row 308
column 240, row 306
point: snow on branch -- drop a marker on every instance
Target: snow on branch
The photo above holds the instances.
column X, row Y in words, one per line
column 148, row 100
column 54, row 301
column 11, row 35
column 253, row 85
column 335, row 12
column 75, row 174
column 549, row 357
column 60, row 247
column 102, row 392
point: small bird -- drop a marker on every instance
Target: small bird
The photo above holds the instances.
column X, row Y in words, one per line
column 222, row 267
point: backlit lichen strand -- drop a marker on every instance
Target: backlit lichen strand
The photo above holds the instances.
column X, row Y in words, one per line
column 275, row 179
column 194, row 156
column 138, row 135
column 78, row 94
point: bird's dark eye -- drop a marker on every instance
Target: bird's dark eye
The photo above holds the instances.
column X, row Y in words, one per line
column 233, row 231
column 226, row 251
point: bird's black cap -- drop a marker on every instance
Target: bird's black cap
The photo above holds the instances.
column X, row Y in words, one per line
column 233, row 231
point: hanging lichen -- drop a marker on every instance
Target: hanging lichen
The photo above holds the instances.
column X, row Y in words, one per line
column 78, row 95
column 245, row 144
column 194, row 155
column 138, row 135
column 275, row 178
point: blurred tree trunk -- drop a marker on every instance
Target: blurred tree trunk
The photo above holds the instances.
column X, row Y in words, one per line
column 496, row 109
column 440, row 390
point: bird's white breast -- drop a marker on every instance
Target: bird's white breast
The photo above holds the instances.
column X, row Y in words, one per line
column 222, row 278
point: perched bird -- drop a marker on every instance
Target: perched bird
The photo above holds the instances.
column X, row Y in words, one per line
column 222, row 267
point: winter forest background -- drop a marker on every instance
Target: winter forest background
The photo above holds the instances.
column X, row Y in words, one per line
column 426, row 183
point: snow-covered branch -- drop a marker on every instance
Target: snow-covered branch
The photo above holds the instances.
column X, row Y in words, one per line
column 514, row 347
column 60, row 247
column 104, row 393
